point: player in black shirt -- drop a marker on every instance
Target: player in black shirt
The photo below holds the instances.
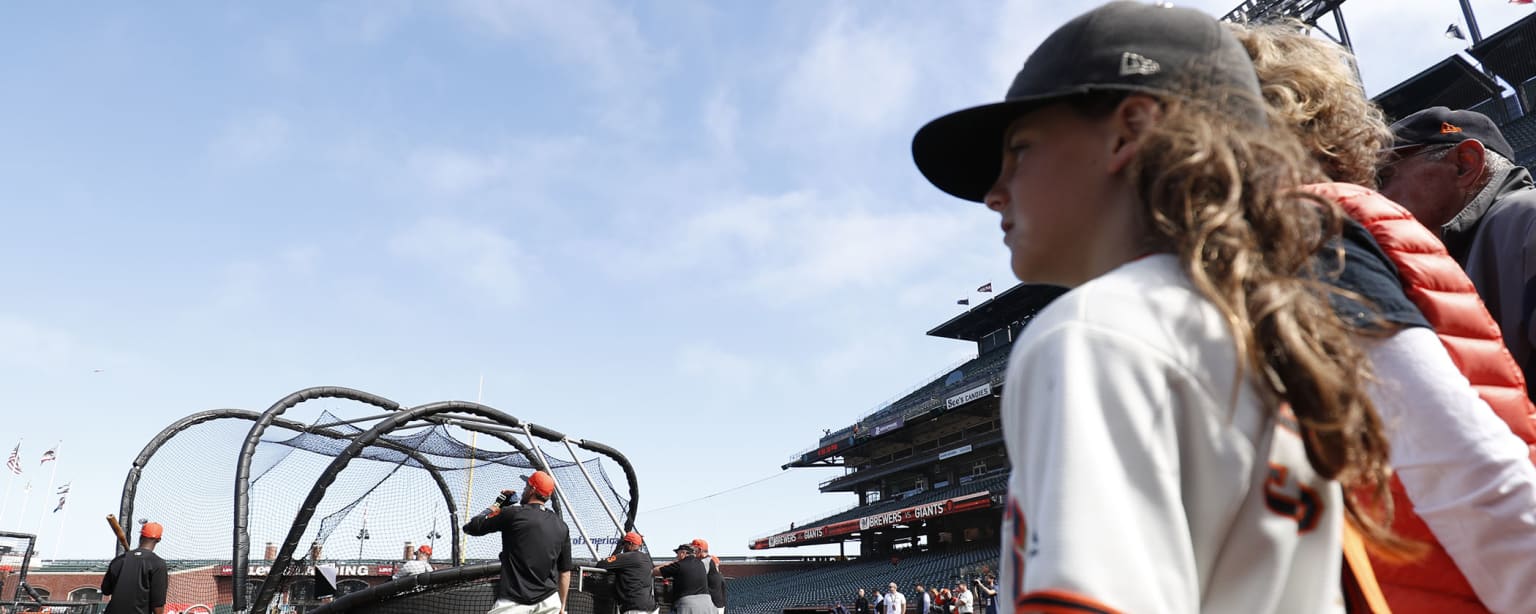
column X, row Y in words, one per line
column 690, row 583
column 535, row 551
column 631, row 571
column 136, row 579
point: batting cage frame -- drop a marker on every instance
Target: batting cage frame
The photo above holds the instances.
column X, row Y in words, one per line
column 522, row 437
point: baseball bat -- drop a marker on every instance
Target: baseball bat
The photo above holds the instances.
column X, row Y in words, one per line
column 117, row 529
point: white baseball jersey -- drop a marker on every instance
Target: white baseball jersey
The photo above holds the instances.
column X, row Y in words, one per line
column 1148, row 477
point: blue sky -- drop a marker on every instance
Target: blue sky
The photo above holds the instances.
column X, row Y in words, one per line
column 690, row 230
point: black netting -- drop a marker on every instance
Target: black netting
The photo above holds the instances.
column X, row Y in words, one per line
column 464, row 589
column 415, row 485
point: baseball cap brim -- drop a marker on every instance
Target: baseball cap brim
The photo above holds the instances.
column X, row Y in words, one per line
column 962, row 153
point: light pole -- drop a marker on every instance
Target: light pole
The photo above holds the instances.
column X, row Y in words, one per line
column 362, row 535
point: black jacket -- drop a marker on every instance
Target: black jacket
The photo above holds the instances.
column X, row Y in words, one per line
column 535, row 549
column 631, row 580
column 136, row 580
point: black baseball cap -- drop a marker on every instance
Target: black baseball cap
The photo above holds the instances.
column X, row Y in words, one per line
column 1120, row 46
column 684, row 548
column 1441, row 125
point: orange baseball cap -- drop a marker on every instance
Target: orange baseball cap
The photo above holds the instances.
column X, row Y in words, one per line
column 152, row 530
column 542, row 483
column 427, row 550
column 634, row 538
column 699, row 544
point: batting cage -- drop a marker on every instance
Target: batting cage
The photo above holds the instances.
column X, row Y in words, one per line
column 335, row 501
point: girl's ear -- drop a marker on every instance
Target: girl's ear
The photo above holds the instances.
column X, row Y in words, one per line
column 1129, row 121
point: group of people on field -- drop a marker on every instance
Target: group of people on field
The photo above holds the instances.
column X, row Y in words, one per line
column 536, row 562
column 1292, row 371
column 963, row 599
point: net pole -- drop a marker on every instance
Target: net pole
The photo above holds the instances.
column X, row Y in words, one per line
column 561, row 494
column 582, row 466
column 469, row 490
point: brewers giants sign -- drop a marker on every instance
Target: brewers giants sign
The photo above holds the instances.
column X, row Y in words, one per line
column 968, row 396
column 914, row 514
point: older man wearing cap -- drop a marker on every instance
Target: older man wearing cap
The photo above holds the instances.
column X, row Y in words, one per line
column 421, row 562
column 716, row 578
column 690, row 582
column 136, row 579
column 1455, row 172
column 631, row 569
column 535, row 551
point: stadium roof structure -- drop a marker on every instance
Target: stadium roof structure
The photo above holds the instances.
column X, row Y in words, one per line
column 1452, row 82
column 1511, row 52
column 997, row 312
column 1261, row 11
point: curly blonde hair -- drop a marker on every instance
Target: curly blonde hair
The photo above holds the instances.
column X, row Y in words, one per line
column 1221, row 194
column 1311, row 87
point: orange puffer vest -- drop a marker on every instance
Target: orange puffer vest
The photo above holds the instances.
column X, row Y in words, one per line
column 1442, row 291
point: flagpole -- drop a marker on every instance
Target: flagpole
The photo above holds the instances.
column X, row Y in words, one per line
column 25, row 499
column 58, row 540
column 51, row 475
column 11, row 483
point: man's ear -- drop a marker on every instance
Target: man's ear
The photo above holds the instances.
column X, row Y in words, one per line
column 1470, row 158
column 1130, row 120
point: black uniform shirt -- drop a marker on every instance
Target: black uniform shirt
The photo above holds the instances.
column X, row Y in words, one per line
column 1370, row 273
column 535, row 548
column 631, row 579
column 690, row 576
column 716, row 582
column 136, row 580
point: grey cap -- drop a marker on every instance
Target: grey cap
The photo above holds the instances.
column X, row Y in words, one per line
column 1120, row 46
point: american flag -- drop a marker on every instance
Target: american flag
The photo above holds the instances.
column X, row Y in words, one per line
column 49, row 455
column 63, row 490
column 15, row 461
column 60, row 506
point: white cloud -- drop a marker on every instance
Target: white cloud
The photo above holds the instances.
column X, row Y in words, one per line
column 720, row 120
column 251, row 139
column 252, row 281
column 852, row 75
column 719, row 367
column 520, row 168
column 27, row 343
column 472, row 254
column 804, row 245
column 457, row 172
column 593, row 35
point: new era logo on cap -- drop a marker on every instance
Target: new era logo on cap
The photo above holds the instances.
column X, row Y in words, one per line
column 1442, row 125
column 1137, row 64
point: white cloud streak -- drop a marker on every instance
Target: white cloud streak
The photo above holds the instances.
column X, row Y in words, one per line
column 473, row 255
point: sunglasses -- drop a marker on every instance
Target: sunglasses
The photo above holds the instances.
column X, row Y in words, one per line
column 1389, row 169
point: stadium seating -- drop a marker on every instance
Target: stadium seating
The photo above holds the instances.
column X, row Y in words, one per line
column 1521, row 134
column 832, row 583
column 997, row 482
column 987, row 367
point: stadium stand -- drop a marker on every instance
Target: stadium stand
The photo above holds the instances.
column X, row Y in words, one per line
column 1453, row 82
column 834, row 583
column 929, row 473
column 1510, row 53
